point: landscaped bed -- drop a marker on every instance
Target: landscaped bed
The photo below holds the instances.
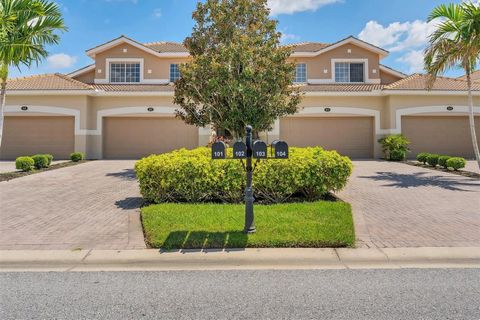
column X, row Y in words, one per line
column 195, row 226
column 17, row 174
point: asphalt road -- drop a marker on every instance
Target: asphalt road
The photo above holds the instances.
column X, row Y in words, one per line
column 314, row 294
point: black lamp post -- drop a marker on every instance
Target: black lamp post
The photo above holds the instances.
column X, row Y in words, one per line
column 249, row 199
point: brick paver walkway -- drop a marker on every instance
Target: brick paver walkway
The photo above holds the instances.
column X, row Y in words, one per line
column 397, row 205
column 91, row 206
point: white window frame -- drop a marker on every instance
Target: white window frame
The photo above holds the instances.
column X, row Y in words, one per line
column 109, row 61
column 306, row 73
column 170, row 71
column 365, row 69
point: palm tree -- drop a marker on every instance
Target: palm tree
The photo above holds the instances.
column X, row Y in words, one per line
column 26, row 27
column 456, row 42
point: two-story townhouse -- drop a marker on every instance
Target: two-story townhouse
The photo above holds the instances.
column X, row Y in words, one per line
column 121, row 106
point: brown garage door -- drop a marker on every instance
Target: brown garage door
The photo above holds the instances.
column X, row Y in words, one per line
column 30, row 135
column 350, row 136
column 449, row 135
column 133, row 138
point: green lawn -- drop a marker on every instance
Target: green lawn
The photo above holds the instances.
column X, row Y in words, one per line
column 315, row 224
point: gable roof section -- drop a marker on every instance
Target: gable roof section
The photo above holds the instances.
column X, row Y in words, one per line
column 83, row 70
column 392, row 71
column 166, row 46
column 327, row 47
column 419, row 82
column 44, row 82
column 475, row 76
column 150, row 48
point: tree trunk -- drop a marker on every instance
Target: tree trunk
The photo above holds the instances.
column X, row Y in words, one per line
column 471, row 118
column 3, row 90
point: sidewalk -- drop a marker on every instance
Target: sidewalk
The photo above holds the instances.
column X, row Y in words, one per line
column 238, row 259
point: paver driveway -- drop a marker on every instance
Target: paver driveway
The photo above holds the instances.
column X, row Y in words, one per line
column 397, row 205
column 91, row 206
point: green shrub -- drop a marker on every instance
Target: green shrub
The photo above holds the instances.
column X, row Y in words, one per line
column 432, row 159
column 456, row 163
column 191, row 176
column 422, row 157
column 24, row 163
column 442, row 161
column 40, row 160
column 50, row 158
column 77, row 156
column 394, row 147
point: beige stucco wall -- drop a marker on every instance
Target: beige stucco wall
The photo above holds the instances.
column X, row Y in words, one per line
column 87, row 77
column 317, row 65
column 397, row 102
column 387, row 78
column 160, row 67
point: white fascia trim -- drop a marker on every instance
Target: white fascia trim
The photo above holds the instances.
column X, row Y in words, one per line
column 82, row 71
column 133, row 94
column 320, row 111
column 129, row 110
column 429, row 93
column 426, row 110
column 359, row 43
column 91, row 53
column 17, row 109
column 391, row 71
column 374, row 93
column 49, row 92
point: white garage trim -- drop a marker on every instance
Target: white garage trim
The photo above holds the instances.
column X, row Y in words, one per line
column 430, row 109
column 128, row 110
column 49, row 110
column 319, row 111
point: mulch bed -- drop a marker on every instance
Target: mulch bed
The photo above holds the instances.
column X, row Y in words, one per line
column 464, row 173
column 18, row 174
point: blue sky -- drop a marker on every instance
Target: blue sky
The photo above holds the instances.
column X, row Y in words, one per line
column 396, row 25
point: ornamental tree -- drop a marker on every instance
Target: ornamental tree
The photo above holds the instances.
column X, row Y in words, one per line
column 238, row 73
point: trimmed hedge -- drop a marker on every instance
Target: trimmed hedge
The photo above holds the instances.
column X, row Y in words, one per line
column 191, row 176
column 40, row 160
column 77, row 156
column 24, row 163
column 442, row 161
column 394, row 147
column 422, row 157
column 50, row 158
column 432, row 159
column 456, row 163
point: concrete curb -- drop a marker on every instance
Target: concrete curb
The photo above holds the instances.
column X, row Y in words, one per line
column 267, row 258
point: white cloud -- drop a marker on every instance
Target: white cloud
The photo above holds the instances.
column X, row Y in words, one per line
column 408, row 39
column 414, row 60
column 157, row 13
column 398, row 36
column 287, row 37
column 61, row 61
column 292, row 6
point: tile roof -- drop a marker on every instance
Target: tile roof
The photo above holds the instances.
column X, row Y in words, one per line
column 55, row 81
column 419, row 82
column 308, row 46
column 166, row 46
column 475, row 76
column 133, row 87
column 354, row 87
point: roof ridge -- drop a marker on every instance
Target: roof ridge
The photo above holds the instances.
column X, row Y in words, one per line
column 399, row 82
column 31, row 76
column 64, row 76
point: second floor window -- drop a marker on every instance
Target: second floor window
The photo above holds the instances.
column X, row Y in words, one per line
column 300, row 73
column 125, row 72
column 348, row 72
column 174, row 72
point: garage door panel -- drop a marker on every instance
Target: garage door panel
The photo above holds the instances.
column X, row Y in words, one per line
column 137, row 137
column 31, row 135
column 351, row 136
column 448, row 135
